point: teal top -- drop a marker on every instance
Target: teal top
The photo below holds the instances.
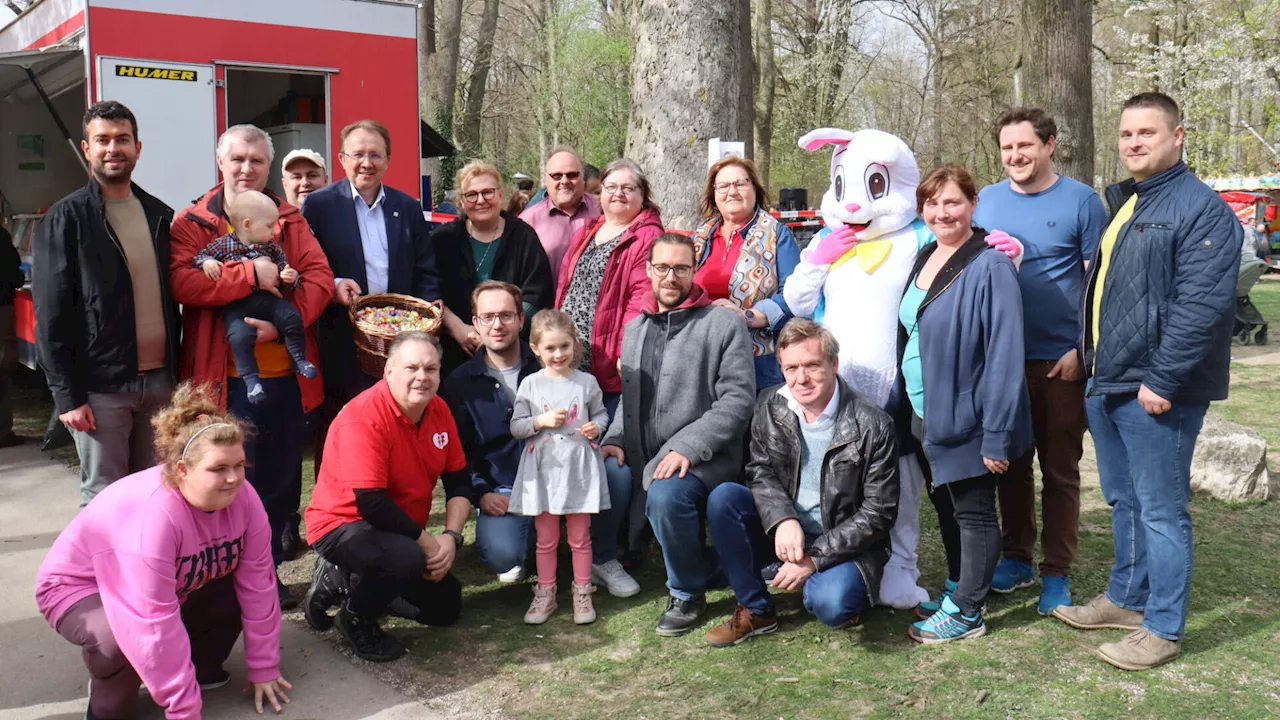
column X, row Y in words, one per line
column 486, row 254
column 911, row 369
column 817, row 440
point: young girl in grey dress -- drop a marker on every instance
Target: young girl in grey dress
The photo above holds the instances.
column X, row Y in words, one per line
column 559, row 413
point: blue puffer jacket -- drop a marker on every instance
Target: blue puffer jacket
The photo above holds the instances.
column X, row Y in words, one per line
column 1168, row 300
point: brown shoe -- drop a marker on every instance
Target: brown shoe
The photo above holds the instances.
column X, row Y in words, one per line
column 1099, row 613
column 1140, row 650
column 741, row 626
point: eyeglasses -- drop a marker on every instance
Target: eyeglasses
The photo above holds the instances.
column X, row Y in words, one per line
column 555, row 177
column 681, row 271
column 474, row 195
column 612, row 189
column 741, row 184
column 375, row 158
column 487, row 319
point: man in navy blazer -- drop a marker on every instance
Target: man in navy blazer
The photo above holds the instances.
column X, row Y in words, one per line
column 376, row 240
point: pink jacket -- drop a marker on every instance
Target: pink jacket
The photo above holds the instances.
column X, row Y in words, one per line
column 622, row 292
column 144, row 549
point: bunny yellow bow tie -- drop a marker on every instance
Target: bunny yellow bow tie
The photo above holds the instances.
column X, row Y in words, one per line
column 870, row 255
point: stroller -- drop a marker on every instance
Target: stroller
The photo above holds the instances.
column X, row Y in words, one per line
column 1250, row 326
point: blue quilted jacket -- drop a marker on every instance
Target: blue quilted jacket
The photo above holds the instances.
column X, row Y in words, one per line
column 1168, row 300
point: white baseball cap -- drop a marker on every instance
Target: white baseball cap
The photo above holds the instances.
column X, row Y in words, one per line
column 309, row 155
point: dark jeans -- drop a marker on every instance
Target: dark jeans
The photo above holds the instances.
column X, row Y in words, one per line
column 243, row 337
column 835, row 595
column 970, row 535
column 210, row 614
column 389, row 565
column 272, row 452
column 1058, row 419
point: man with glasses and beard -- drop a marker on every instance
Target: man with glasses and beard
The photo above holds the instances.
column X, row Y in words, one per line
column 106, row 322
column 566, row 208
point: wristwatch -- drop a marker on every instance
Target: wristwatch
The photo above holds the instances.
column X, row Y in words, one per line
column 457, row 537
column 751, row 317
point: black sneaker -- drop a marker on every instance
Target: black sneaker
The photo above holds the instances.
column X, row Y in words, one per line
column 401, row 608
column 326, row 591
column 11, row 440
column 681, row 616
column 213, row 679
column 286, row 600
column 291, row 543
column 368, row 640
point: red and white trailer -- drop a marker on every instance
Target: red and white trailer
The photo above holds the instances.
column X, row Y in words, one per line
column 188, row 69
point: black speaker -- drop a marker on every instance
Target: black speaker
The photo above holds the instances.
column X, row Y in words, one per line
column 793, row 199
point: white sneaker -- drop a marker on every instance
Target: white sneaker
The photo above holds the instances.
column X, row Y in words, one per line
column 515, row 575
column 615, row 579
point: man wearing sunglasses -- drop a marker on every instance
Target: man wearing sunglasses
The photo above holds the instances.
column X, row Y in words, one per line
column 566, row 208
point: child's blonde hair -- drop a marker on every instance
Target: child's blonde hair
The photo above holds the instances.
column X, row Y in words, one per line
column 545, row 321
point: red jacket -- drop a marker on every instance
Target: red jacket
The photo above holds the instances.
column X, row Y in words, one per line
column 622, row 291
column 204, row 339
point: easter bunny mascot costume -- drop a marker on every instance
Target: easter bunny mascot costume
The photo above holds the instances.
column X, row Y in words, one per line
column 851, row 279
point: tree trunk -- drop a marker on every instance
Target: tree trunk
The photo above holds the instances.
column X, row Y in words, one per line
column 469, row 131
column 1057, row 72
column 426, row 53
column 765, row 79
column 685, row 90
column 444, row 73
column 747, row 81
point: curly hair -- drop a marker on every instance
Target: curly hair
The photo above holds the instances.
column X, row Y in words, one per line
column 193, row 411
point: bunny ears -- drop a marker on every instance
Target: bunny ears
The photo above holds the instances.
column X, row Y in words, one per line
column 815, row 139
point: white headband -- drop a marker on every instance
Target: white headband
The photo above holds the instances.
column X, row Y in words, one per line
column 187, row 447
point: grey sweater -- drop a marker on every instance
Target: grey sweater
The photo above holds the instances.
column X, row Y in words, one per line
column 692, row 392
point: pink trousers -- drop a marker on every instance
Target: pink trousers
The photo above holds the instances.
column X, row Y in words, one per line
column 579, row 531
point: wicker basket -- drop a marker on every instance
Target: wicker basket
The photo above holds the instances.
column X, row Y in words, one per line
column 371, row 342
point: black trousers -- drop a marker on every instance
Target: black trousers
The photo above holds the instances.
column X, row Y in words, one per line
column 243, row 337
column 389, row 565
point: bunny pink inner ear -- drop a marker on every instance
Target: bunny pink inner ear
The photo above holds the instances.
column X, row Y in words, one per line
column 816, row 139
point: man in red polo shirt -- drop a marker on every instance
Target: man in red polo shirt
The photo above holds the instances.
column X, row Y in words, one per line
column 382, row 457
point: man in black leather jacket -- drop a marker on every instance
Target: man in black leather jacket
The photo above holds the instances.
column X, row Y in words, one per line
column 822, row 480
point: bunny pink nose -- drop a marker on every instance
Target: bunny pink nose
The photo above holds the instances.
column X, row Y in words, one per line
column 852, row 207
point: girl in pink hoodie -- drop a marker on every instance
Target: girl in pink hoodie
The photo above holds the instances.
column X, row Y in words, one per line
column 157, row 577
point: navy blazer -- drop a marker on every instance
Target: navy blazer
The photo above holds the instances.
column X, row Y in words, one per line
column 411, row 270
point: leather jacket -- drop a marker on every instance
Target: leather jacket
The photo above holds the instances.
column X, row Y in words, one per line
column 859, row 482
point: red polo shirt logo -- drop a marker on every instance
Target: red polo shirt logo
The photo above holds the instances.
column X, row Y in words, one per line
column 440, row 439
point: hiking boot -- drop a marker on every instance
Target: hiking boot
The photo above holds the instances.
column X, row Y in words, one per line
column 291, row 545
column 1140, row 650
column 1055, row 591
column 741, row 626
column 947, row 625
column 584, row 612
column 213, row 679
column 287, row 602
column 368, row 640
column 615, row 579
column 681, row 616
column 1012, row 575
column 325, row 592
column 544, row 603
column 1099, row 613
column 517, row 574
column 928, row 608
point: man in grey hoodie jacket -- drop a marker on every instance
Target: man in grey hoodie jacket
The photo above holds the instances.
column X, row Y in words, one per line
column 688, row 386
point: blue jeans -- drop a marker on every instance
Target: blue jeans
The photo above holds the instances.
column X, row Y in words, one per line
column 280, row 431
column 1144, row 467
column 503, row 540
column 834, row 596
column 677, row 511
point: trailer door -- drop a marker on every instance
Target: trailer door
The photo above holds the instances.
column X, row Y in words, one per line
column 174, row 105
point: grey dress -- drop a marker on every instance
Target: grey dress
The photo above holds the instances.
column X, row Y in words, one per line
column 561, row 472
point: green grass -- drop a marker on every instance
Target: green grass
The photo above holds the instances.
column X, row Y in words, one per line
column 492, row 665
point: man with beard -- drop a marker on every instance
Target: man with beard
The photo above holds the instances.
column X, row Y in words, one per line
column 566, row 208
column 106, row 323
column 688, row 384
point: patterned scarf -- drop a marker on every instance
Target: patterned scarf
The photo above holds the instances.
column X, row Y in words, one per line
column 755, row 276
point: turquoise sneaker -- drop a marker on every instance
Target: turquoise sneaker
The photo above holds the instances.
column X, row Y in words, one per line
column 947, row 625
column 926, row 609
column 1012, row 575
column 1055, row 591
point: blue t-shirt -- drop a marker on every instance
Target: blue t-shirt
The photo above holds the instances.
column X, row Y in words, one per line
column 1059, row 228
column 912, row 371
